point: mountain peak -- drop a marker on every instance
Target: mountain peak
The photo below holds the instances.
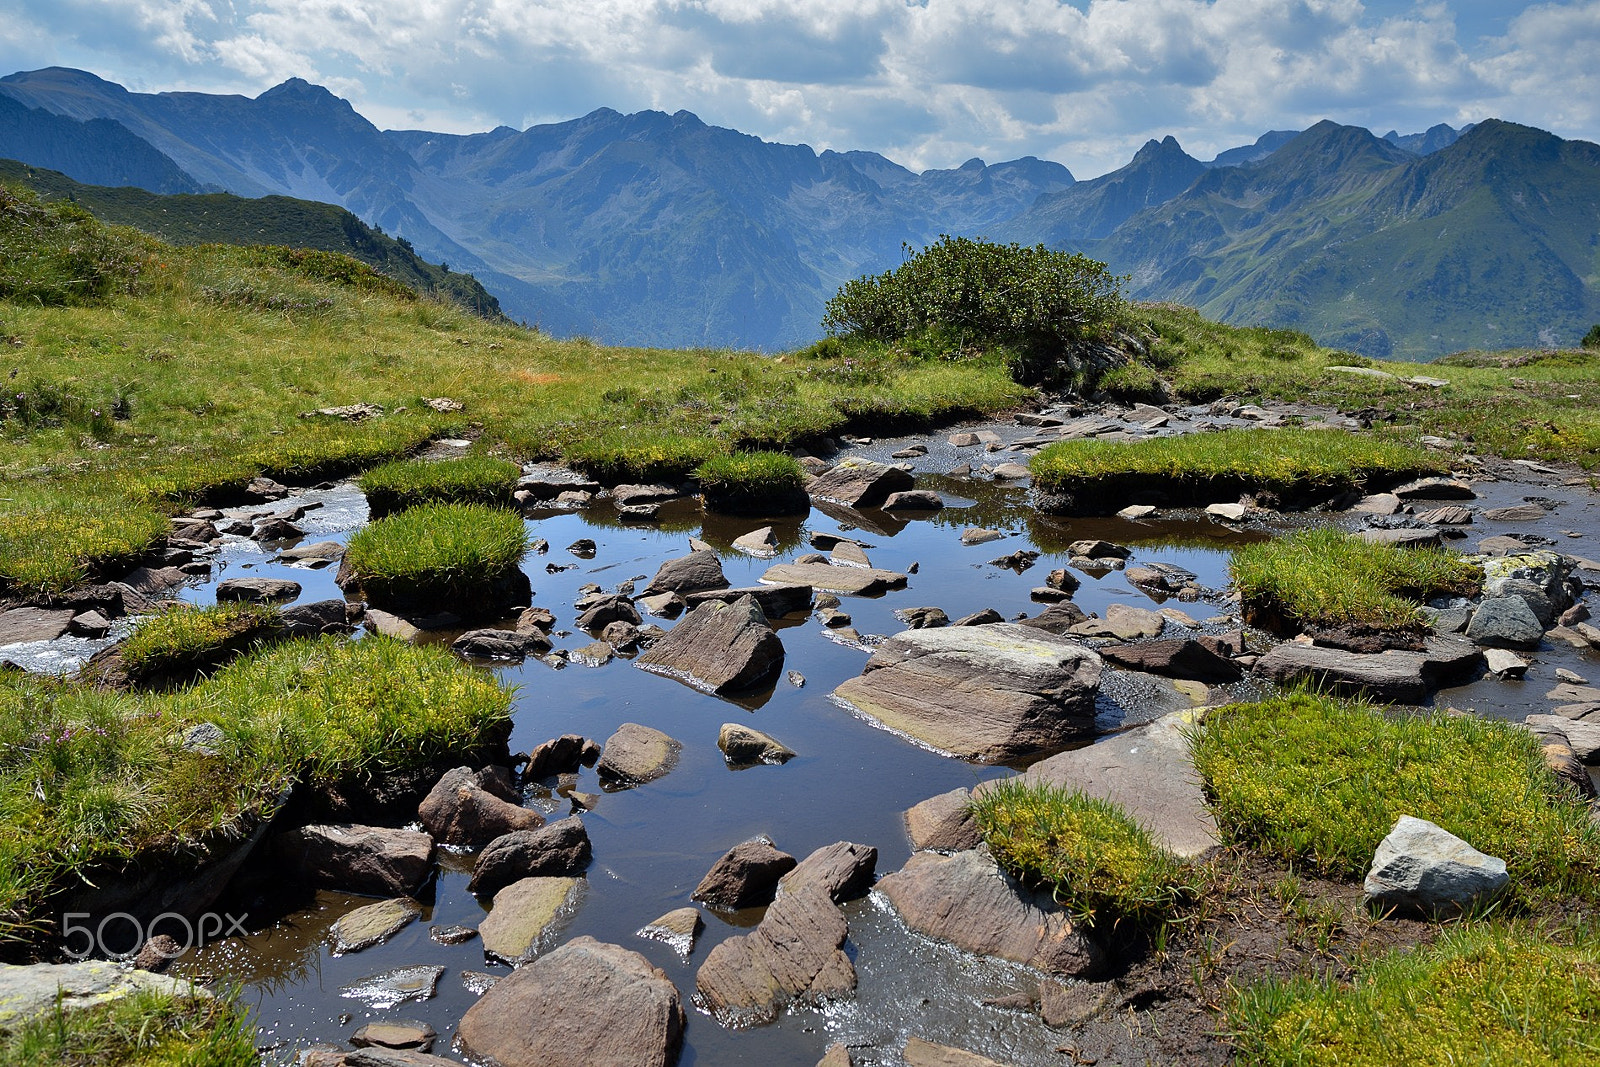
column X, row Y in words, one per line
column 297, row 87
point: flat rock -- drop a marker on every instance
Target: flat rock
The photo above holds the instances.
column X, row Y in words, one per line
column 373, row 924
column 388, row 624
column 794, row 956
column 1135, row 512
column 34, row 990
column 1504, row 664
column 762, row 542
column 395, row 1034
column 1147, row 771
column 513, row 645
column 977, row 535
column 913, row 500
column 842, row 870
column 775, row 601
column 258, row 590
column 745, row 744
column 33, row 624
column 1393, row 675
column 943, row 823
column 1228, row 512
column 1131, row 623
column 745, row 876
column 718, row 648
column 557, row 849
column 1402, row 538
column 1422, row 868
column 1502, row 545
column 637, row 754
column 1436, row 489
column 987, row 693
column 679, row 929
column 396, row 986
column 1583, row 735
column 330, row 616
column 319, row 552
column 1377, row 504
column 848, row 581
column 859, row 483
column 967, row 900
column 1182, row 658
column 357, row 859
column 1516, row 513
column 698, row 571
column 628, row 495
column 1452, row 515
column 523, row 914
column 587, row 1002
column 920, row 1053
column 1011, row 472
column 458, row 810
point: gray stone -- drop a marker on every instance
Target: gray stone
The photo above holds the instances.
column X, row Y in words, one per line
column 1377, row 504
column 921, row 618
column 967, row 900
column 1505, row 622
column 357, row 859
column 1392, row 675
column 1402, row 538
column 1422, row 868
column 1182, row 658
column 794, row 956
column 977, row 535
column 1516, row 513
column 33, row 990
column 1436, row 489
column 637, row 754
column 586, row 1003
column 33, row 624
column 744, row 744
column 913, row 500
column 718, row 648
column 318, row 617
column 605, row 610
column 859, row 483
column 373, row 924
column 775, row 601
column 943, row 823
column 1058, row 618
column 1504, row 664
column 458, row 810
column 842, row 870
column 1228, row 512
column 630, row 495
column 1453, row 515
column 153, row 580
column 745, row 876
column 520, row 922
column 1135, row 512
column 1098, row 549
column 849, row 554
column 699, row 570
column 987, row 693
column 1583, row 735
column 848, row 581
column 398, row 1034
column 762, row 542
column 558, row 849
column 513, row 645
column 388, row 624
column 258, row 590
column 90, row 624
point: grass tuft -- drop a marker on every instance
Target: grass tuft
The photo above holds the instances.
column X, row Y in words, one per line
column 408, row 483
column 444, row 553
column 1102, row 866
column 185, row 640
column 1310, row 779
column 746, row 481
column 1322, row 577
column 146, row 1029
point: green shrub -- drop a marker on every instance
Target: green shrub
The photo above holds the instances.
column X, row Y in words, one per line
column 184, row 640
column 450, row 556
column 752, row 481
column 1479, row 995
column 469, row 480
column 1050, row 306
column 1592, row 338
column 1322, row 577
column 1102, row 866
column 1313, row 780
column 148, row 1029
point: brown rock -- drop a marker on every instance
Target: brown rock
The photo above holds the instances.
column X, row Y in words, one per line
column 395, row 1034
column 745, row 876
column 795, row 955
column 33, row 624
column 460, row 811
column 843, row 870
column 859, row 483
column 524, row 913
column 850, row 581
column 920, row 1053
column 943, row 823
column 720, row 648
column 688, row 574
column 559, row 848
column 1182, row 658
column 358, row 859
column 637, row 754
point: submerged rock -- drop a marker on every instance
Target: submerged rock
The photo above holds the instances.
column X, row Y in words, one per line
column 637, row 754
column 523, row 914
column 679, row 928
column 373, row 924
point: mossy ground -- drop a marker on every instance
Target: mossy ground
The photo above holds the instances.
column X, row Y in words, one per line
column 184, row 640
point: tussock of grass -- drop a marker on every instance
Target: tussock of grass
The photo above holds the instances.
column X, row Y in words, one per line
column 90, row 778
column 1102, row 866
column 470, row 480
column 1314, row 780
column 1484, row 995
column 1322, row 577
column 50, row 540
column 59, row 254
column 187, row 639
column 746, row 481
column 449, row 553
column 143, row 1030
column 1207, row 467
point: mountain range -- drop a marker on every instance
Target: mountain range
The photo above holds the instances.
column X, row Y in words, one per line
column 660, row 229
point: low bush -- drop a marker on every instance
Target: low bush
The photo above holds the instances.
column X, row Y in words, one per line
column 182, row 641
column 753, row 482
column 1324, row 578
column 1488, row 995
column 1313, row 780
column 1102, row 866
column 409, row 482
column 438, row 556
column 1202, row 468
column 147, row 1029
column 1592, row 338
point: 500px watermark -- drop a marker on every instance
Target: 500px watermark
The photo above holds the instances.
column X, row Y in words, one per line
column 120, row 936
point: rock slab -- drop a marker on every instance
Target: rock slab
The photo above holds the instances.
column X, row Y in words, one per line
column 795, row 955
column 523, row 914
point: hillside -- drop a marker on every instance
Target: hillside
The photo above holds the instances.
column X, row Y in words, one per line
column 272, row 220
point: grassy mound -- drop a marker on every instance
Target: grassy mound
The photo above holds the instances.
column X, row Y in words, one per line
column 1299, row 466
column 144, row 1030
column 53, row 537
column 1324, row 578
column 91, row 779
column 408, row 483
column 438, row 557
column 1485, row 995
column 1103, row 867
column 184, row 641
column 754, row 482
column 1314, row 780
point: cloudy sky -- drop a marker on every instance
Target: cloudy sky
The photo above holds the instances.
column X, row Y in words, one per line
column 929, row 83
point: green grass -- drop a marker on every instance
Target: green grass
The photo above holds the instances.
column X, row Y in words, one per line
column 1101, row 865
column 55, row 536
column 1208, row 467
column 184, row 640
column 405, row 484
column 143, row 1030
column 1489, row 995
column 744, row 480
column 92, row 779
column 448, row 553
column 1324, row 578
column 1313, row 780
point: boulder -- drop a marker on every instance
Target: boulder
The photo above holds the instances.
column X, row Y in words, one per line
column 357, row 859
column 90, row 624
column 560, row 755
column 913, row 500
column 458, row 810
column 693, row 573
column 560, row 848
column 859, row 483
column 637, row 754
column 318, row 617
column 795, row 955
column 587, row 1003
column 258, row 590
column 604, row 611
column 762, row 542
column 373, row 924
column 775, row 601
column 1393, row 675
column 969, row 901
column 849, row 581
column 1058, row 618
column 1505, row 622
column 744, row 744
column 842, row 870
column 943, row 823
column 520, row 921
column 745, row 876
column 720, row 648
column 1182, row 658
column 1422, row 868
column 987, row 693
column 511, row 645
